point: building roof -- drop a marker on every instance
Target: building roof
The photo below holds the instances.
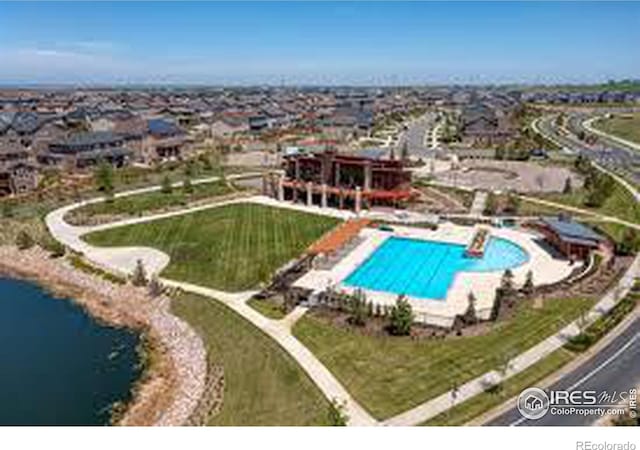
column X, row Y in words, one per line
column 104, row 153
column 572, row 232
column 163, row 128
column 93, row 138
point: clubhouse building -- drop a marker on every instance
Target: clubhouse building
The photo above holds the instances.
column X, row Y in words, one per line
column 343, row 181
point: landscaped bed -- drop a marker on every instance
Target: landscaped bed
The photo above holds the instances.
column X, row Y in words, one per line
column 389, row 375
column 263, row 384
column 234, row 247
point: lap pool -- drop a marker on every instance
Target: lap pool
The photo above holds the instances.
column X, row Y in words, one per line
column 426, row 269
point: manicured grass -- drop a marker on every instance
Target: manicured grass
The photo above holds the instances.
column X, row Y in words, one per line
column 263, row 384
column 481, row 403
column 136, row 205
column 528, row 208
column 625, row 126
column 620, row 203
column 267, row 308
column 233, row 247
column 389, row 375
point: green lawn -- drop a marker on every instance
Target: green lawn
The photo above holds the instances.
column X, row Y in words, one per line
column 389, row 375
column 136, row 205
column 626, row 126
column 267, row 308
column 263, row 384
column 479, row 404
column 620, row 204
column 232, row 247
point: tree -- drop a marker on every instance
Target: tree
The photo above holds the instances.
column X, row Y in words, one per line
column 567, row 186
column 155, row 287
column 336, row 413
column 24, row 240
column 166, row 187
column 506, row 284
column 503, row 364
column 139, row 277
column 630, row 242
column 189, row 169
column 206, row 162
column 187, row 187
column 104, row 177
column 471, row 313
column 491, row 205
column 401, row 317
column 528, row 287
column 358, row 309
column 513, row 203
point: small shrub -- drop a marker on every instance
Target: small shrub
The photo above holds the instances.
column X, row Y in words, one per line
column 187, row 186
column 166, row 187
column 24, row 240
column 337, row 415
column 55, row 248
column 155, row 287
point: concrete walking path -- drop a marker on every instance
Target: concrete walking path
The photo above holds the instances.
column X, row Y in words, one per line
column 478, row 204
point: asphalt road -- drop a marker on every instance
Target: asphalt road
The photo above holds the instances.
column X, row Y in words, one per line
column 415, row 134
column 615, row 368
column 605, row 152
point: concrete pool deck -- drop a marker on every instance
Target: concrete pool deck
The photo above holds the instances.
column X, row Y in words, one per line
column 546, row 269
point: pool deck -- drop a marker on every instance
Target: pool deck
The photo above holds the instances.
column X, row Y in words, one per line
column 545, row 268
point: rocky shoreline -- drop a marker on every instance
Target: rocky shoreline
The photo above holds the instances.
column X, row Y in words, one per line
column 174, row 380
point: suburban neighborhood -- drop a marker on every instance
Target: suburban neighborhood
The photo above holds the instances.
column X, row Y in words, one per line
column 285, row 253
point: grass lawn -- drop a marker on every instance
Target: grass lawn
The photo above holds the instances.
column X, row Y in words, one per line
column 267, row 308
column 233, row 247
column 620, row 204
column 136, row 205
column 472, row 408
column 626, row 126
column 389, row 375
column 263, row 384
column 527, row 208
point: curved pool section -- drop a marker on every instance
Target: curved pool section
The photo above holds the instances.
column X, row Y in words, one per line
column 426, row 269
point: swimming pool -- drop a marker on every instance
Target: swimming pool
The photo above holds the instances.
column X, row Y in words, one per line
column 426, row 269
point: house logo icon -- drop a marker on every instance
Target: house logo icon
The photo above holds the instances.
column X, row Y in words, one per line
column 533, row 403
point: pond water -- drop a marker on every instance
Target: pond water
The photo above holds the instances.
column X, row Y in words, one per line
column 58, row 365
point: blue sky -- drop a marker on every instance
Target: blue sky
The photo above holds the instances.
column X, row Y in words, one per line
column 318, row 43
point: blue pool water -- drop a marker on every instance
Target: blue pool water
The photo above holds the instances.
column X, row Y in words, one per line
column 426, row 269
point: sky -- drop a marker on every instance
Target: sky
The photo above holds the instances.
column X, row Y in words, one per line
column 382, row 43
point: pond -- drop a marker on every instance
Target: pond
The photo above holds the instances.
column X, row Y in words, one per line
column 58, row 365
